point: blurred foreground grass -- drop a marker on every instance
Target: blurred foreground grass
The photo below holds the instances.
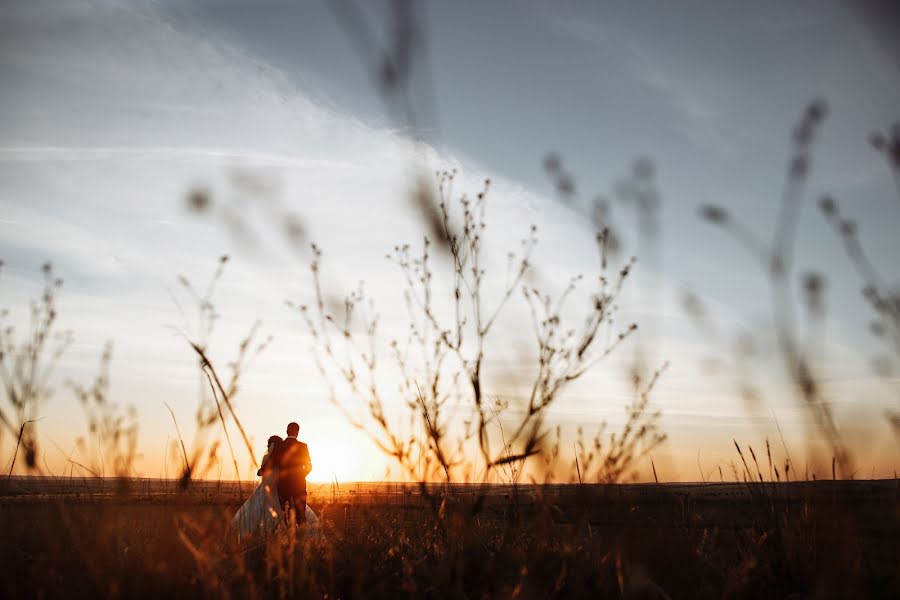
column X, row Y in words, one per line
column 819, row 539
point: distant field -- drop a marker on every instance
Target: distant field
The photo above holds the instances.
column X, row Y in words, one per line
column 873, row 503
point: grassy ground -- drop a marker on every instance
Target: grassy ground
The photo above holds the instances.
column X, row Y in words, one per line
column 804, row 540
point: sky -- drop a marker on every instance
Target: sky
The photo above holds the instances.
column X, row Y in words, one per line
column 112, row 112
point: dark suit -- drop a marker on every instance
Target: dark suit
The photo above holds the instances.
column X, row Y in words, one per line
column 293, row 465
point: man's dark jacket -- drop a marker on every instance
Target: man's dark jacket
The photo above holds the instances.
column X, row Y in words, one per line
column 293, row 465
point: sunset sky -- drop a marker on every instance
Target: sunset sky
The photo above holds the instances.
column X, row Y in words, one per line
column 111, row 112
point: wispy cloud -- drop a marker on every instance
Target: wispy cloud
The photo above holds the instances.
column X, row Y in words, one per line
column 97, row 208
column 166, row 153
column 650, row 68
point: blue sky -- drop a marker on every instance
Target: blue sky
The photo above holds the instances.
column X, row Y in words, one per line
column 111, row 111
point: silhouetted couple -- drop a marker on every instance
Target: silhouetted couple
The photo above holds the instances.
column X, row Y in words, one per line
column 288, row 459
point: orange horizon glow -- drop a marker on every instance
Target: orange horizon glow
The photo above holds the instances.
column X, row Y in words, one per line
column 346, row 456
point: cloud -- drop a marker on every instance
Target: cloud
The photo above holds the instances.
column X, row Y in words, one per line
column 112, row 112
column 96, row 165
column 646, row 66
column 166, row 153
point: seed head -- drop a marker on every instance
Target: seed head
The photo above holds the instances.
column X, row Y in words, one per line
column 828, row 206
column 714, row 214
column 199, row 200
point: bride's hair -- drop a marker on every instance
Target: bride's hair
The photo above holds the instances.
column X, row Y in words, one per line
column 275, row 439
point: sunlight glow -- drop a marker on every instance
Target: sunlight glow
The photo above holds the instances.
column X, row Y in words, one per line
column 344, row 457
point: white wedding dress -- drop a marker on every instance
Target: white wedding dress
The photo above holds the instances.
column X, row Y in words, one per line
column 261, row 516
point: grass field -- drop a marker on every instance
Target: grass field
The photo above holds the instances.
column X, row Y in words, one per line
column 148, row 538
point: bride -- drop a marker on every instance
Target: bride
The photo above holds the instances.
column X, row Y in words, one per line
column 261, row 515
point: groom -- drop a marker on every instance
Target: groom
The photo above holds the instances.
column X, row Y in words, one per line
column 293, row 466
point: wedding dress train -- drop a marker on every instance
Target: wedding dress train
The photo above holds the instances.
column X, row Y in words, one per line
column 261, row 515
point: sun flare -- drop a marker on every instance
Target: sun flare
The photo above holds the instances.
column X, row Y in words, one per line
column 338, row 456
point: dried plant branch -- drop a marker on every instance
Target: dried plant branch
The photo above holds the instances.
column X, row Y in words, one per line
column 777, row 260
column 18, row 442
column 210, row 371
column 115, row 427
column 187, row 464
column 28, row 362
column 443, row 361
column 210, row 412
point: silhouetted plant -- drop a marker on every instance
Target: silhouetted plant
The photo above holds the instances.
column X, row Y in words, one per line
column 611, row 457
column 881, row 295
column 776, row 258
column 442, row 362
column 27, row 362
column 210, row 409
column 115, row 427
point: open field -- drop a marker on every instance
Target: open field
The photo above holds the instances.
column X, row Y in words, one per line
column 806, row 539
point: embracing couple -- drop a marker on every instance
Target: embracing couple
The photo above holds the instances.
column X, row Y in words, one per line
column 287, row 462
column 281, row 495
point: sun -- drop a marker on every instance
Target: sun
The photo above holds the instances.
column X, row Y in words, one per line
column 336, row 455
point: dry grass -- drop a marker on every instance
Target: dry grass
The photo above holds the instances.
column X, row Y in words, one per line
column 828, row 539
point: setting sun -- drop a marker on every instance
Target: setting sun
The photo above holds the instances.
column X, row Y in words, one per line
column 337, row 455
